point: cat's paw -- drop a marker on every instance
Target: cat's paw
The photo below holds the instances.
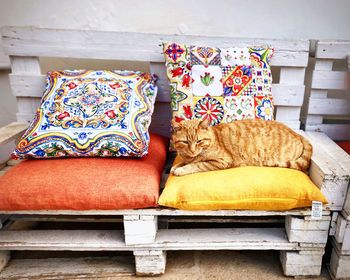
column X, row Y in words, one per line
column 173, row 169
column 181, row 171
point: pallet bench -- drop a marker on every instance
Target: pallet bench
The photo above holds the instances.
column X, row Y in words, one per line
column 328, row 110
column 149, row 233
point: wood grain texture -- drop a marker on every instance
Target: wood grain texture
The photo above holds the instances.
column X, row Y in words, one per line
column 30, row 41
column 332, row 49
column 11, row 132
column 167, row 239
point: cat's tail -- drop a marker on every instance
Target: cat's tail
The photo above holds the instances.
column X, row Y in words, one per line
column 303, row 162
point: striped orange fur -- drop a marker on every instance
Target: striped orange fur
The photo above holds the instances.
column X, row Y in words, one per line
column 241, row 143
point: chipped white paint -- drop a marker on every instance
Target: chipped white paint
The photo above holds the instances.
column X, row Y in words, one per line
column 322, row 107
column 301, row 264
column 307, row 231
column 339, row 265
column 150, row 262
column 140, row 229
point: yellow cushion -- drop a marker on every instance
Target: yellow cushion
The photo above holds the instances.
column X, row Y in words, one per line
column 254, row 188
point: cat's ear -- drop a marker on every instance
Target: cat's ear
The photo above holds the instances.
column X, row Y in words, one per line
column 204, row 123
column 176, row 126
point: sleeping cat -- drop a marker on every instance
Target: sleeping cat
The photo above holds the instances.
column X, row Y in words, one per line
column 241, row 143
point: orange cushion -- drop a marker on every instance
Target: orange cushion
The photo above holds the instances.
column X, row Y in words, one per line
column 345, row 146
column 85, row 183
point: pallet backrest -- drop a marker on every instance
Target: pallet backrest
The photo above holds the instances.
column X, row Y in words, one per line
column 25, row 45
column 329, row 102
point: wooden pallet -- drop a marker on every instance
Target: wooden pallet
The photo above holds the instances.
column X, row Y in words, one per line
column 329, row 112
column 340, row 258
column 300, row 239
column 328, row 108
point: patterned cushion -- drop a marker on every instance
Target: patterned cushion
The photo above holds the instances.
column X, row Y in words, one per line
column 223, row 85
column 91, row 113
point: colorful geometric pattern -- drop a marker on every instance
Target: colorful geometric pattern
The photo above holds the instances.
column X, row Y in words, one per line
column 239, row 108
column 222, row 84
column 236, row 79
column 205, row 56
column 91, row 113
column 206, row 80
column 235, row 57
column 209, row 107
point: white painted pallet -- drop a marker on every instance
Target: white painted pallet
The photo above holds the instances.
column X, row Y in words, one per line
column 300, row 239
column 329, row 103
column 340, row 258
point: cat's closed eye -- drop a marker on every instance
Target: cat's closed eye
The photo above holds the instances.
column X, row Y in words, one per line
column 183, row 141
column 199, row 141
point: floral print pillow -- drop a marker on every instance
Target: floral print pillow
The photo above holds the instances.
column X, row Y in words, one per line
column 222, row 84
column 91, row 113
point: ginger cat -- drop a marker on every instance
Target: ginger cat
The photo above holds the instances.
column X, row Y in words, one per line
column 241, row 143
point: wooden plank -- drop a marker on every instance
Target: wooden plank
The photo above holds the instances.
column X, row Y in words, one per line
column 70, row 268
column 160, row 211
column 11, row 132
column 62, row 218
column 338, row 80
column 25, row 65
column 298, row 264
column 307, row 231
column 339, row 265
column 29, row 41
column 288, row 95
column 150, row 262
column 167, row 239
column 52, row 240
column 287, row 113
column 292, row 76
column 339, row 132
column 329, row 106
column 333, row 225
column 324, row 64
column 340, row 230
column 140, row 230
column 27, row 85
column 326, row 172
column 333, row 149
column 332, row 49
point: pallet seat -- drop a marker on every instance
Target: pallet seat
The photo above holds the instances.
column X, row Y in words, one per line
column 150, row 233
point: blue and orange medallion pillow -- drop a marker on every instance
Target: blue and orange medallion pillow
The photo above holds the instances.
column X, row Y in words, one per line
column 222, row 84
column 91, row 113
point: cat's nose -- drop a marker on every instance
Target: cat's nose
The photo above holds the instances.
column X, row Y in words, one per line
column 192, row 148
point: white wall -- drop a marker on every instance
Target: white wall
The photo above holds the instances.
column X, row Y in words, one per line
column 309, row 19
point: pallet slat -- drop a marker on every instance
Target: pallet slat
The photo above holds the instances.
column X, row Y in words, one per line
column 169, row 239
column 27, row 41
column 339, row 80
column 170, row 212
column 69, row 268
column 332, row 49
column 12, row 131
column 327, row 106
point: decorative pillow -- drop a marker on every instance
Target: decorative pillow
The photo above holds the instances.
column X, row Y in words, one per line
column 223, row 85
column 91, row 113
column 85, row 183
column 250, row 188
